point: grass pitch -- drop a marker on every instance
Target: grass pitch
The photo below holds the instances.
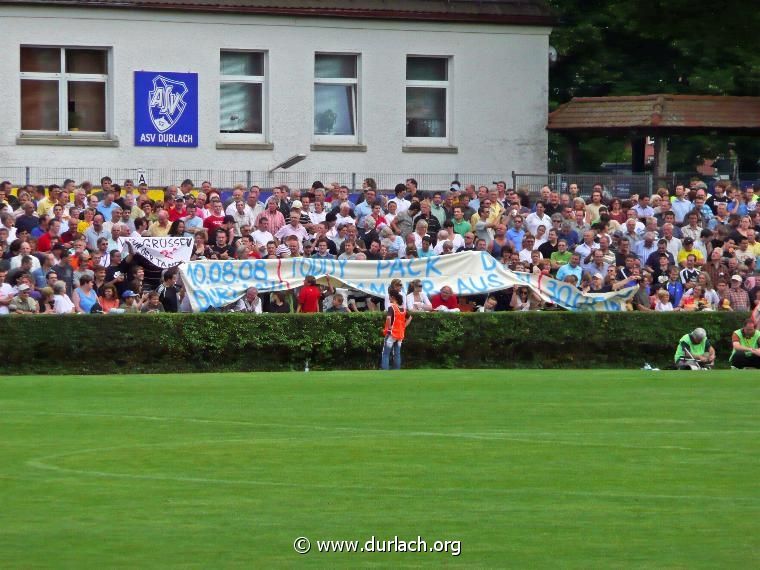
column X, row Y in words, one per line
column 535, row 469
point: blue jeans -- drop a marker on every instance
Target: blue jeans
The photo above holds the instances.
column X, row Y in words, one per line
column 391, row 345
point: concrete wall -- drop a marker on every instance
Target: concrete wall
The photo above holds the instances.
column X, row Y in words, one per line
column 499, row 81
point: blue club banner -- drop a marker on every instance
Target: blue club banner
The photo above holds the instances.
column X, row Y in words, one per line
column 166, row 109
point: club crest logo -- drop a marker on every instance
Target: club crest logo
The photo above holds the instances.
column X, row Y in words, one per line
column 166, row 102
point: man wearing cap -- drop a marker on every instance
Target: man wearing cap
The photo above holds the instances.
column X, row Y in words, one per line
column 745, row 353
column 23, row 303
column 737, row 295
column 694, row 346
column 597, row 285
column 130, row 301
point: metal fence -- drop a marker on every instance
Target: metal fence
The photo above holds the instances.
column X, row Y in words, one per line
column 226, row 179
column 618, row 185
column 615, row 185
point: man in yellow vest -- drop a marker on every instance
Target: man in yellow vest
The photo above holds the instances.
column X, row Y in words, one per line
column 745, row 353
column 694, row 351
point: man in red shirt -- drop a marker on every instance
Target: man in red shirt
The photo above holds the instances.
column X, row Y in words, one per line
column 49, row 238
column 309, row 297
column 176, row 210
column 445, row 300
column 216, row 218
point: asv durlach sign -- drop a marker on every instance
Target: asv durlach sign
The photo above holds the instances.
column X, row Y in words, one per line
column 166, row 109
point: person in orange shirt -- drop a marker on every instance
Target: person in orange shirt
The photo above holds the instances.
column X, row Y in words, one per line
column 395, row 327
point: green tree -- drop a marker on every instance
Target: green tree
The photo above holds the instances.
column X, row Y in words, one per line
column 618, row 47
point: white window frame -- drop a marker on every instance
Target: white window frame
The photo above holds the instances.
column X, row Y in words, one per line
column 262, row 137
column 339, row 139
column 448, row 85
column 63, row 79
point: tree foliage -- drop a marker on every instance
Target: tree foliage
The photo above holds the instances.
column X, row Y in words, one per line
column 619, row 47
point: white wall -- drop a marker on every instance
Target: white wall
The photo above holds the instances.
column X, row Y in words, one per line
column 500, row 87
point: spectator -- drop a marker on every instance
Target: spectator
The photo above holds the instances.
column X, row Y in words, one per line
column 416, row 298
column 109, row 300
column 153, row 304
column 445, row 301
column 62, row 304
column 131, row 302
column 23, row 303
column 84, row 297
column 169, row 291
column 250, row 302
column 337, row 305
column 309, row 296
column 278, row 303
column 745, row 352
column 571, row 268
column 738, row 296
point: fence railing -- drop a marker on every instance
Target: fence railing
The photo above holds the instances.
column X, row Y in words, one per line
column 614, row 185
column 226, row 179
column 617, row 185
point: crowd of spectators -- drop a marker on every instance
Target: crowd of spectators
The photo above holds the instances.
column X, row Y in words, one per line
column 687, row 250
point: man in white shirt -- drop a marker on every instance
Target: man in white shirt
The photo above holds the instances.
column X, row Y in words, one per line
column 588, row 246
column 24, row 250
column 262, row 235
column 6, row 293
column 241, row 214
column 294, row 228
column 250, row 303
column 674, row 244
column 253, row 206
column 538, row 218
column 527, row 250
column 402, row 204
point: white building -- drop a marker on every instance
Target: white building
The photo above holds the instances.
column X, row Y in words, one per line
column 356, row 85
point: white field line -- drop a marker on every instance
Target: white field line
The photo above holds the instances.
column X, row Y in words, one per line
column 42, row 463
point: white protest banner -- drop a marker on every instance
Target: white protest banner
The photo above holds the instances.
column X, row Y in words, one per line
column 162, row 252
column 219, row 283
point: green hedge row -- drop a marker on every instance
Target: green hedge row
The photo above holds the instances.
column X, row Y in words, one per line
column 97, row 344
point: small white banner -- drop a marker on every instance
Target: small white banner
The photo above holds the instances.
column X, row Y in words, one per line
column 163, row 252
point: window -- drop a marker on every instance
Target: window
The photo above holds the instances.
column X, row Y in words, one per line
column 335, row 97
column 242, row 95
column 427, row 99
column 64, row 90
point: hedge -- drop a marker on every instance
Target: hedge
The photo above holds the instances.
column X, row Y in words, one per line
column 169, row 343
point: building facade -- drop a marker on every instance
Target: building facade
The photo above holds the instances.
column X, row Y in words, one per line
column 246, row 86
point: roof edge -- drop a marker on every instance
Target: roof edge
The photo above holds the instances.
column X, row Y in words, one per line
column 513, row 19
